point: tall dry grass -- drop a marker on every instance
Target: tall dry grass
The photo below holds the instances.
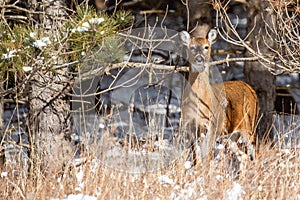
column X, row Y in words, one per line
column 274, row 174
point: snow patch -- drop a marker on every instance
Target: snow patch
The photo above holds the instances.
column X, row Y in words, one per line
column 101, row 125
column 188, row 165
column 220, row 147
column 219, row 177
column 80, row 29
column 164, row 179
column 8, row 55
column 96, row 20
column 260, row 188
column 32, row 35
column 235, row 193
column 87, row 25
column 192, row 190
column 78, row 197
column 79, row 176
column 27, row 68
column 43, row 42
column 4, row 174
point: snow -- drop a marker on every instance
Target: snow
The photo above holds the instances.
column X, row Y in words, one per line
column 287, row 151
column 188, row 165
column 79, row 29
column 96, row 20
column 260, row 188
column 235, row 193
column 184, row 194
column 27, row 68
column 43, row 42
column 32, row 35
column 219, row 177
column 79, row 176
column 164, row 179
column 77, row 197
column 101, row 125
column 87, row 25
column 80, row 173
column 190, row 190
column 220, row 147
column 8, row 55
column 4, row 174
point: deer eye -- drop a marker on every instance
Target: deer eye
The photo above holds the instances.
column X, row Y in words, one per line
column 206, row 47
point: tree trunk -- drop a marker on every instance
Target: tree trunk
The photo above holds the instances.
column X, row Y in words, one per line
column 256, row 74
column 200, row 17
column 2, row 157
column 49, row 107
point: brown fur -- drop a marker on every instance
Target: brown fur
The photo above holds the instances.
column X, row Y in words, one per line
column 241, row 110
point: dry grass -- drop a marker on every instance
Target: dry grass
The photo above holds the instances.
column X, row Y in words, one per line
column 273, row 175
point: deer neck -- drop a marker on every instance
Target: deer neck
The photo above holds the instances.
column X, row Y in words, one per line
column 199, row 79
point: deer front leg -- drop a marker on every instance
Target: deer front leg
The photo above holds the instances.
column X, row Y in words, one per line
column 202, row 139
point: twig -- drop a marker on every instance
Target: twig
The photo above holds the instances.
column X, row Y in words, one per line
column 149, row 65
column 227, row 60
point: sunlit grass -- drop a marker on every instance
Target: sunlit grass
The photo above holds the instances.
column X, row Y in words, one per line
column 273, row 175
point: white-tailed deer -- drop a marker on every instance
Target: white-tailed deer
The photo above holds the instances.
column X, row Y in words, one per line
column 212, row 110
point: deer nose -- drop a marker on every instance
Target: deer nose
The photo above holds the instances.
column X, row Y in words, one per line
column 199, row 59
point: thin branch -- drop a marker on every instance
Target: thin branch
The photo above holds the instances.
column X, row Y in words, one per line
column 227, row 60
column 102, row 70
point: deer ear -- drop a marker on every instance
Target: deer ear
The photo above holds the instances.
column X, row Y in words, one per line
column 212, row 36
column 185, row 38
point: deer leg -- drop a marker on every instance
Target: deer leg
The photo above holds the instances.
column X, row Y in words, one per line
column 243, row 143
column 203, row 145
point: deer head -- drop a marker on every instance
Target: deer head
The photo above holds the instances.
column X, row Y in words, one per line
column 199, row 49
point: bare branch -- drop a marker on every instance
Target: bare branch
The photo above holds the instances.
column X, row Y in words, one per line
column 285, row 28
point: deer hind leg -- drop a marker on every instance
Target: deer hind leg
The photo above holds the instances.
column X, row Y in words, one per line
column 243, row 144
column 242, row 149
